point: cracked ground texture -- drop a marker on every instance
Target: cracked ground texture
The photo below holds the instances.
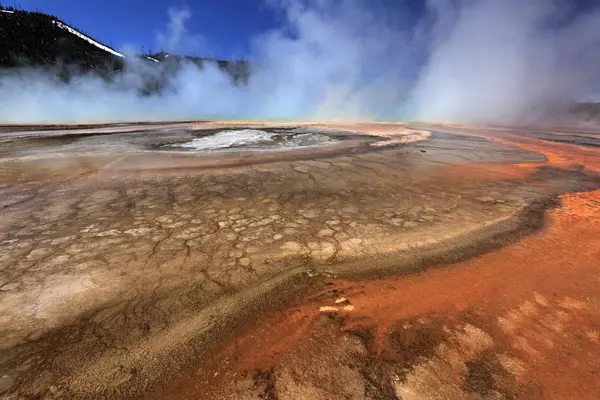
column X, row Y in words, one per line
column 119, row 264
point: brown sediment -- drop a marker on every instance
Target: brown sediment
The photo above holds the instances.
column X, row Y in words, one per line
column 558, row 154
column 485, row 172
column 520, row 322
column 535, row 302
column 135, row 269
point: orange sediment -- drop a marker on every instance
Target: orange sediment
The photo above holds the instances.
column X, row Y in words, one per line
column 535, row 301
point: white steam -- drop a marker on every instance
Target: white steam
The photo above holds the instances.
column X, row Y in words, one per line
column 508, row 61
column 488, row 61
column 177, row 39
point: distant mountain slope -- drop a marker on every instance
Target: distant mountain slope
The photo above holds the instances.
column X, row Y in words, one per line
column 36, row 39
column 42, row 40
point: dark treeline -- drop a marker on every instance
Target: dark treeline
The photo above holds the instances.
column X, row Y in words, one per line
column 33, row 39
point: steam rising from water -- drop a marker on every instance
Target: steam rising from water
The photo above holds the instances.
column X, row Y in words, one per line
column 508, row 61
column 485, row 61
column 228, row 139
column 258, row 139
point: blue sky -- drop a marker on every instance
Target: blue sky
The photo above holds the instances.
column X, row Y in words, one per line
column 456, row 60
column 226, row 24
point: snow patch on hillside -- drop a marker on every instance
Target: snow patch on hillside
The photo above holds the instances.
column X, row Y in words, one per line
column 87, row 39
column 82, row 36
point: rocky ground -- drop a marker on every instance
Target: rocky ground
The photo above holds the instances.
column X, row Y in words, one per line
column 127, row 271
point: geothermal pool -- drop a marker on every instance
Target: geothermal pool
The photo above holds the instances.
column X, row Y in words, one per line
column 132, row 255
column 67, row 142
column 262, row 139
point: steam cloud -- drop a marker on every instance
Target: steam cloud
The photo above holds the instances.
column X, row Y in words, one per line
column 483, row 61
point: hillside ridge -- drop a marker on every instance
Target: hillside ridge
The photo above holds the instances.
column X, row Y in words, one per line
column 36, row 39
